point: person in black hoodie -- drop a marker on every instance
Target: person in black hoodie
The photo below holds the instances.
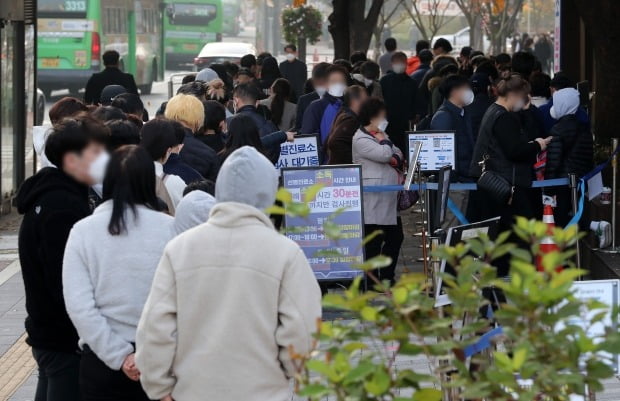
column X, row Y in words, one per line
column 52, row 201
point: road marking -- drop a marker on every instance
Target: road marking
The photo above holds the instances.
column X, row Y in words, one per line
column 16, row 365
column 9, row 271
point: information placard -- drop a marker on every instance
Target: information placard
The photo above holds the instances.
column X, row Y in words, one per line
column 606, row 292
column 438, row 149
column 342, row 192
column 304, row 152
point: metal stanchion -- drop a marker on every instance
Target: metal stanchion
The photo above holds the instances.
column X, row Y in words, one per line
column 572, row 182
column 614, row 200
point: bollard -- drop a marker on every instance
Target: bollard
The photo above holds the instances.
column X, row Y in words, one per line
column 572, row 182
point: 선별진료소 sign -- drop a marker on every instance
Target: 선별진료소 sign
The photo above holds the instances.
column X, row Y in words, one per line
column 338, row 201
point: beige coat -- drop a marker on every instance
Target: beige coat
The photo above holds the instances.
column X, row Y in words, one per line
column 228, row 299
column 379, row 207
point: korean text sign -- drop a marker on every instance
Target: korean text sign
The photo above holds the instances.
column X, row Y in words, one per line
column 304, row 152
column 342, row 191
column 438, row 149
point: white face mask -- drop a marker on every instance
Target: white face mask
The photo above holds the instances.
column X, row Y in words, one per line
column 398, row 68
column 382, row 125
column 368, row 82
column 337, row 90
column 97, row 168
column 290, row 56
column 519, row 105
column 320, row 90
column 468, row 97
column 552, row 113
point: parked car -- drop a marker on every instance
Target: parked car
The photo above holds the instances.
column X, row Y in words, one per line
column 218, row 52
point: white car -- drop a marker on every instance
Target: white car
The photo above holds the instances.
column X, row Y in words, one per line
column 460, row 39
column 218, row 52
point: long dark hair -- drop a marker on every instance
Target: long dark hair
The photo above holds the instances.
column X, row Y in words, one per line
column 281, row 90
column 129, row 181
column 242, row 131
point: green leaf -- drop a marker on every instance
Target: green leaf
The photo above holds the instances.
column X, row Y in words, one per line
column 375, row 263
column 359, row 373
column 369, row 313
column 371, row 236
column 312, row 191
column 284, row 196
column 379, row 384
column 314, row 391
column 318, row 366
column 427, row 394
column 519, row 357
column 400, row 295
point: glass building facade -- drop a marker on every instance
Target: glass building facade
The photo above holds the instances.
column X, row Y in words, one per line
column 17, row 95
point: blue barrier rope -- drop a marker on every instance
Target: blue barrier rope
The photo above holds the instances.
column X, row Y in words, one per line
column 459, row 186
column 483, row 343
column 457, row 212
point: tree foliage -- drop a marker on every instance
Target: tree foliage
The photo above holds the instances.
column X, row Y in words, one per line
column 543, row 352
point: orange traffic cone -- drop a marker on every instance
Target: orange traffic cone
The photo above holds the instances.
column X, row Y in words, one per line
column 547, row 245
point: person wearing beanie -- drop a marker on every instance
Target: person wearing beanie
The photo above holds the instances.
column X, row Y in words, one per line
column 206, row 75
column 192, row 211
column 218, row 305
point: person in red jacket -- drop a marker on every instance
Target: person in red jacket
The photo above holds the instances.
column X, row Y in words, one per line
column 413, row 62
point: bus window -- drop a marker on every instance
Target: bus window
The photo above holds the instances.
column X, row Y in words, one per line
column 62, row 8
column 191, row 14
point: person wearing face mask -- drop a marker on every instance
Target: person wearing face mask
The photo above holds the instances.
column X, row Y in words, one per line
column 295, row 71
column 159, row 139
column 570, row 150
column 321, row 113
column 345, row 126
column 52, row 201
column 380, row 159
column 367, row 77
column 319, row 83
column 399, row 94
column 108, row 267
column 509, row 153
column 452, row 115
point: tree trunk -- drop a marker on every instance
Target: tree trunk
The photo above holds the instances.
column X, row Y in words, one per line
column 600, row 18
column 339, row 29
column 350, row 27
column 301, row 48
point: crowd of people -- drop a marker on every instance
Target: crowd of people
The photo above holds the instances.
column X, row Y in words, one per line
column 136, row 287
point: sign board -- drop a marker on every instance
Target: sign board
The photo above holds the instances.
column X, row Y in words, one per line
column 342, row 192
column 456, row 235
column 604, row 291
column 304, row 152
column 438, row 149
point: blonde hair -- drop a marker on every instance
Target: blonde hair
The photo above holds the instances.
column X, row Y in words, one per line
column 187, row 110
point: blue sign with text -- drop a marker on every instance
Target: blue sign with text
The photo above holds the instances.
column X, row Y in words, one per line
column 338, row 201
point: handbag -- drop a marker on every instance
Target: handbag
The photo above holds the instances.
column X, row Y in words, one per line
column 496, row 186
column 405, row 198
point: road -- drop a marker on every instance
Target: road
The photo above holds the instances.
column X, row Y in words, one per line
column 159, row 92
